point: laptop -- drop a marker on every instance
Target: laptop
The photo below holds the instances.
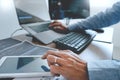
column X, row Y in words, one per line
column 33, row 17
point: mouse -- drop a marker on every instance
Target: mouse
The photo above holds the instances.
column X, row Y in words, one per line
column 99, row 30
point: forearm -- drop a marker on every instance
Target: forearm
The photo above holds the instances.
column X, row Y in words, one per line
column 100, row 20
column 104, row 70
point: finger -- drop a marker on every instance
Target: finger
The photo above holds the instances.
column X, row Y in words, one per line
column 66, row 54
column 53, row 60
column 49, row 52
column 55, row 24
column 70, row 54
column 56, row 70
column 63, row 54
column 58, row 27
column 55, row 21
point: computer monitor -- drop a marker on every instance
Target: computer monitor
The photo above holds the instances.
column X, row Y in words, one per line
column 30, row 11
column 74, row 9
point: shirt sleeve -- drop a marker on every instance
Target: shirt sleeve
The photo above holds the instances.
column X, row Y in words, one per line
column 104, row 70
column 100, row 20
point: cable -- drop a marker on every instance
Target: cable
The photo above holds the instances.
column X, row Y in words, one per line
column 15, row 32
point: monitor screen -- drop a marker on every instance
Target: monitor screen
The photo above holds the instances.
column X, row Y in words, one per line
column 31, row 11
column 75, row 9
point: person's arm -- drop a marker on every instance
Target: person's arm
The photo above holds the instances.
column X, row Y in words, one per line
column 100, row 20
column 104, row 70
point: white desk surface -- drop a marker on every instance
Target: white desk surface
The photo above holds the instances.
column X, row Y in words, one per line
column 106, row 36
column 97, row 51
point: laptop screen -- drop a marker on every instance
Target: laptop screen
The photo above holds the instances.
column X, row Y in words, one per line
column 31, row 11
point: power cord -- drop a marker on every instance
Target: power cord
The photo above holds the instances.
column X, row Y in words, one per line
column 15, row 32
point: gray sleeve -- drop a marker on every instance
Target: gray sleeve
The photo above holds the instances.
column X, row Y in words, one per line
column 104, row 70
column 100, row 20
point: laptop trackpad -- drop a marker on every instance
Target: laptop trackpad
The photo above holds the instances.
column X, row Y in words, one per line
column 48, row 36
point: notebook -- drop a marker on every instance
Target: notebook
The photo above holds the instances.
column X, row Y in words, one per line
column 31, row 15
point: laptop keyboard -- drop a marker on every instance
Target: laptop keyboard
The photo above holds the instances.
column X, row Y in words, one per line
column 76, row 42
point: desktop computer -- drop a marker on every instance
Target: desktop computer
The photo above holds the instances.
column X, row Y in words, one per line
column 73, row 9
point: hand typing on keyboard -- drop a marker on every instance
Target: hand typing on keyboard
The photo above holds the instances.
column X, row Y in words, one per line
column 59, row 27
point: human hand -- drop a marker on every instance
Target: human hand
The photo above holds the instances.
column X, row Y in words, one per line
column 67, row 65
column 59, row 27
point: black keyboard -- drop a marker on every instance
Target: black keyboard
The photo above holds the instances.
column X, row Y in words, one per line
column 76, row 42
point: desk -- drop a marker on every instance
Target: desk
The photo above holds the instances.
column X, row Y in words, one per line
column 95, row 51
column 106, row 36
